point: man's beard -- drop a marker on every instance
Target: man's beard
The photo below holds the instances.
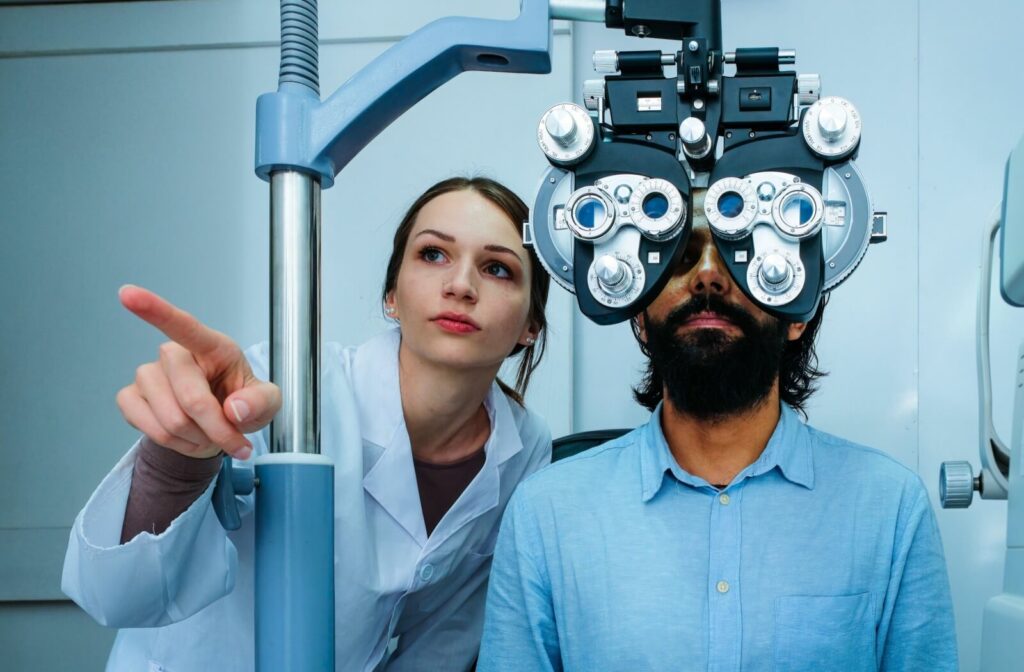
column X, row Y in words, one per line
column 709, row 374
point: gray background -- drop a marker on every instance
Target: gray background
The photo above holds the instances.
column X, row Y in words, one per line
column 126, row 156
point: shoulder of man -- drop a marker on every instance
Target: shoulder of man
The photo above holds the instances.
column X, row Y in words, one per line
column 862, row 467
column 585, row 473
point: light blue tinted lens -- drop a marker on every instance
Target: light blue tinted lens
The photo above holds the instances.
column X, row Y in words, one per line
column 655, row 205
column 798, row 210
column 590, row 213
column 730, row 204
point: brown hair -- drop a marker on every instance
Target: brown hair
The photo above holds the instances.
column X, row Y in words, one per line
column 517, row 212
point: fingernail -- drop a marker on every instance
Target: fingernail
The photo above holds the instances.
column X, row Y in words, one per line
column 240, row 409
column 243, row 453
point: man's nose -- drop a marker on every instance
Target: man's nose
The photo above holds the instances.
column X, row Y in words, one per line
column 709, row 275
column 461, row 283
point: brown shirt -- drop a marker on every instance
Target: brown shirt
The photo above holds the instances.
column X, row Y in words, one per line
column 441, row 485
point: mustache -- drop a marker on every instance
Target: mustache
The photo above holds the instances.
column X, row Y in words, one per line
column 714, row 304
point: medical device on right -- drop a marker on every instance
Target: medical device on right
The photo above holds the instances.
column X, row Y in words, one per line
column 1002, row 475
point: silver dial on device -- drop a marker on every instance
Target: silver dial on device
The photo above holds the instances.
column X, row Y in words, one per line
column 695, row 138
column 775, row 277
column 616, row 279
column 731, row 206
column 798, row 211
column 589, row 213
column 657, row 208
column 808, row 89
column 566, row 134
column 832, row 127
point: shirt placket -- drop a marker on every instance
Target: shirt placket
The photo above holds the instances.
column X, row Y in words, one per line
column 724, row 614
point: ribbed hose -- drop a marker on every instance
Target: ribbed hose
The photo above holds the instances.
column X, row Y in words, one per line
column 299, row 44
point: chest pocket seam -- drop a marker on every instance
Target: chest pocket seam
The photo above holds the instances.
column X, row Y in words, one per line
column 810, row 630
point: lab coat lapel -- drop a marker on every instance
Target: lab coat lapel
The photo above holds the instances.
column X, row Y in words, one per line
column 483, row 493
column 391, row 480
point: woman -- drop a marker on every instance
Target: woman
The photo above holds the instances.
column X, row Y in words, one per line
column 415, row 410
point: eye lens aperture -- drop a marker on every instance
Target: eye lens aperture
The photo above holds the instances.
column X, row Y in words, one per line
column 655, row 205
column 590, row 213
column 730, row 204
column 798, row 210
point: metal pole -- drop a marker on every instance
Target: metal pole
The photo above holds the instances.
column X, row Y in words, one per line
column 295, row 310
column 295, row 493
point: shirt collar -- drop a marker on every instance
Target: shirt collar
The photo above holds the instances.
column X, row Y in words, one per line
column 788, row 449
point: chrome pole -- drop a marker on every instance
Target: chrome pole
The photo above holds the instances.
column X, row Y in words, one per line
column 295, row 310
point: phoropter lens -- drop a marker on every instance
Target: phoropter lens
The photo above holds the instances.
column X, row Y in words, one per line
column 590, row 213
column 730, row 204
column 655, row 205
column 797, row 209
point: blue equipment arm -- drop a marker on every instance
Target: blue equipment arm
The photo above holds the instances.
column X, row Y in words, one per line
column 295, row 131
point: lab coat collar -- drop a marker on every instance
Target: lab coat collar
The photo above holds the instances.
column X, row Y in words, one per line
column 788, row 449
column 391, row 480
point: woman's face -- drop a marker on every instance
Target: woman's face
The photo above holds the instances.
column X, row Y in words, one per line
column 463, row 291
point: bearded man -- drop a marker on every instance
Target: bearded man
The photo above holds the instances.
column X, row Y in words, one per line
column 724, row 534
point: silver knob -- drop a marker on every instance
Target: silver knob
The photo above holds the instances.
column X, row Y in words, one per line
column 593, row 92
column 695, row 138
column 775, row 274
column 613, row 275
column 606, row 60
column 561, row 127
column 808, row 89
column 832, row 120
column 956, row 484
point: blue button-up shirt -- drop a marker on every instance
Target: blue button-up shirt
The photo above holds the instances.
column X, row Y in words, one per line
column 821, row 555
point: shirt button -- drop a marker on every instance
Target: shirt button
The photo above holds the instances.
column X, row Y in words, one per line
column 426, row 571
column 724, row 499
column 723, row 586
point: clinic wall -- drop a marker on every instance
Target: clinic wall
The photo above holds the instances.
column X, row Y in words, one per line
column 126, row 149
column 939, row 92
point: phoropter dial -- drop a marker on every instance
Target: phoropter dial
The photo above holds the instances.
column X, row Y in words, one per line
column 566, row 134
column 616, row 279
column 775, row 277
column 589, row 213
column 832, row 127
column 731, row 207
column 657, row 208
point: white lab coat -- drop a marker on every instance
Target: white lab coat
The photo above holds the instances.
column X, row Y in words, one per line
column 184, row 598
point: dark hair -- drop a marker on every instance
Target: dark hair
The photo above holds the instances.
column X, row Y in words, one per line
column 517, row 212
column 797, row 371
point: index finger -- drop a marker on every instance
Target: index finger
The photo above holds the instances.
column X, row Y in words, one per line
column 175, row 323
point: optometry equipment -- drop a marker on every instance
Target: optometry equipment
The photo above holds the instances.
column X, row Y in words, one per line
column 787, row 207
column 1001, row 476
column 791, row 218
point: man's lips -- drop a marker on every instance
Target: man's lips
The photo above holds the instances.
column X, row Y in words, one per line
column 709, row 320
column 456, row 323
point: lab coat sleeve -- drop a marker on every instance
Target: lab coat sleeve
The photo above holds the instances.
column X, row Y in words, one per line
column 916, row 631
column 519, row 623
column 152, row 580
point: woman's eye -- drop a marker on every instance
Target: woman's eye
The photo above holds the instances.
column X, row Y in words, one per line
column 432, row 255
column 498, row 270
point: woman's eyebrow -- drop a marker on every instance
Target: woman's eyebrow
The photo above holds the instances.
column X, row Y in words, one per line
column 434, row 232
column 502, row 249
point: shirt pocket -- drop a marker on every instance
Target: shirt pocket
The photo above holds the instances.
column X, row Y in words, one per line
column 825, row 632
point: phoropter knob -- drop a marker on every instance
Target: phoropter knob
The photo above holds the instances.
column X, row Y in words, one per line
column 832, row 119
column 808, row 88
column 775, row 274
column 606, row 61
column 694, row 136
column 956, row 484
column 561, row 127
column 614, row 275
column 832, row 128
